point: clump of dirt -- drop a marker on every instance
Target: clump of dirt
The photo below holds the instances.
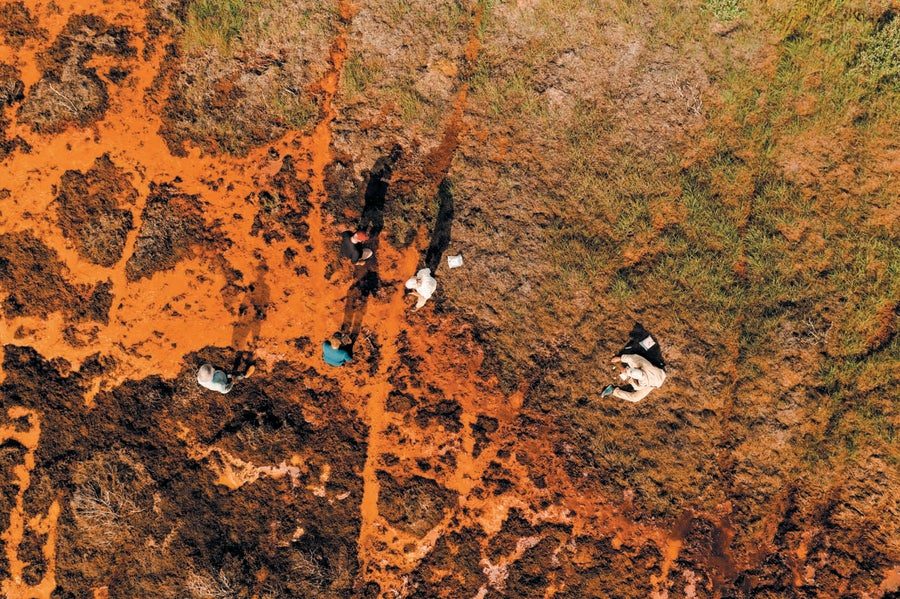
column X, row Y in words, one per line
column 482, row 429
column 33, row 276
column 415, row 505
column 173, row 227
column 285, row 201
column 453, row 567
column 89, row 210
column 70, row 91
column 17, row 25
column 11, row 87
column 594, row 566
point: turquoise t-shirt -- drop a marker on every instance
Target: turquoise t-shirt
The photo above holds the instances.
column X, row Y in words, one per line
column 335, row 357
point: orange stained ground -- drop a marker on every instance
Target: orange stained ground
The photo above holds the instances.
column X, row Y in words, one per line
column 146, row 340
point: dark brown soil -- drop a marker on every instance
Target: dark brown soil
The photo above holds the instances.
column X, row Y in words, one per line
column 17, row 25
column 283, row 206
column 174, row 226
column 142, row 513
column 91, row 208
column 415, row 505
column 11, row 92
column 453, row 568
column 37, row 284
column 11, row 87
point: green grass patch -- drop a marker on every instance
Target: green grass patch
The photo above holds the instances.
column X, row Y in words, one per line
column 216, row 23
column 360, row 73
column 295, row 109
column 725, row 10
column 879, row 57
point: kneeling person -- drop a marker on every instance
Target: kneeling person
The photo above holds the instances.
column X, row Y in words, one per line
column 333, row 354
column 640, row 373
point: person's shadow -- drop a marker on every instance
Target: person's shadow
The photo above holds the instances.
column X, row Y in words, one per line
column 252, row 310
column 440, row 234
column 243, row 360
column 633, row 346
column 372, row 218
column 357, row 300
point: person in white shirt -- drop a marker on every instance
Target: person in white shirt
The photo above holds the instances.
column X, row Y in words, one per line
column 638, row 372
column 219, row 380
column 422, row 285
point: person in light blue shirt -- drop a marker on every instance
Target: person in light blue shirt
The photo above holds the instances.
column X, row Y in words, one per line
column 218, row 380
column 333, row 354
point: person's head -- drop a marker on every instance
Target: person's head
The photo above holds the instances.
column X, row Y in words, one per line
column 359, row 237
column 205, row 374
column 335, row 341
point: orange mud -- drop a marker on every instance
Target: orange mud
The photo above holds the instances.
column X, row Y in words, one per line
column 155, row 322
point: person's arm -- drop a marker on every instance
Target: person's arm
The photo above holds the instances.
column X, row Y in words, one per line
column 636, row 361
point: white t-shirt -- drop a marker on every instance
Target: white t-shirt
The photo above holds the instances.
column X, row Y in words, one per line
column 423, row 282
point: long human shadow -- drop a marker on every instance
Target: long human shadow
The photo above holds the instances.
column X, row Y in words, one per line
column 633, row 346
column 372, row 218
column 440, row 234
column 252, row 311
column 357, row 301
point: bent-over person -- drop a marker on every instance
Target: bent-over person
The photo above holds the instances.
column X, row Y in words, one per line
column 640, row 373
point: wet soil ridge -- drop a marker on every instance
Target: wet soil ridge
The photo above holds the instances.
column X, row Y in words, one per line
column 171, row 473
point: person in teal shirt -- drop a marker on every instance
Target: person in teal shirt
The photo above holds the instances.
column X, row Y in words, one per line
column 333, row 354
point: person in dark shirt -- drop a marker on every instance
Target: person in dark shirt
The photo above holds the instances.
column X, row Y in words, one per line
column 352, row 246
